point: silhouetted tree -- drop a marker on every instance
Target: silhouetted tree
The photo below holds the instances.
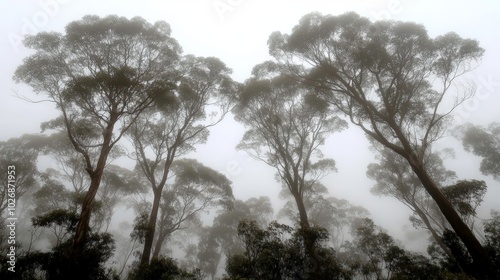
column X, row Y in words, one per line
column 392, row 81
column 162, row 269
column 373, row 254
column 278, row 252
column 492, row 232
column 171, row 129
column 395, row 178
column 56, row 263
column 196, row 188
column 285, row 132
column 101, row 74
column 220, row 240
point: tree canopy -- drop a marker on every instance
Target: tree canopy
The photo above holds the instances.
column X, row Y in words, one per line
column 485, row 143
column 101, row 74
column 392, row 81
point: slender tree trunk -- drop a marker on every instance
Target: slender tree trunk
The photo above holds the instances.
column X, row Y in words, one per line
column 482, row 263
column 157, row 191
column 82, row 228
column 148, row 240
column 159, row 243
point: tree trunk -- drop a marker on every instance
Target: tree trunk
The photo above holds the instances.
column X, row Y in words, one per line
column 303, row 219
column 148, row 240
column 95, row 174
column 82, row 228
column 313, row 266
column 157, row 191
column 159, row 243
column 482, row 264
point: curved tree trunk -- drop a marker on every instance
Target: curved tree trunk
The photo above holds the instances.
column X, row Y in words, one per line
column 95, row 174
column 482, row 264
column 82, row 228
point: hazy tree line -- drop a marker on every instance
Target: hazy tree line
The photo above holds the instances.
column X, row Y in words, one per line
column 124, row 88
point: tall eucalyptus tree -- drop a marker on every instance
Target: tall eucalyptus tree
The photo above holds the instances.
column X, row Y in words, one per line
column 170, row 129
column 394, row 82
column 285, row 131
column 101, row 74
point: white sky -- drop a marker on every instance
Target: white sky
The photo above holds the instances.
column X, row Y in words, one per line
column 236, row 31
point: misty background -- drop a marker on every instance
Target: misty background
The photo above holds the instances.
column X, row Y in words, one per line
column 237, row 32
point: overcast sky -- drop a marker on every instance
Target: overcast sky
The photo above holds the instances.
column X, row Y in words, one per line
column 236, row 31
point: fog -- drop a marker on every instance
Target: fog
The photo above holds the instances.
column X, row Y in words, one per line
column 237, row 33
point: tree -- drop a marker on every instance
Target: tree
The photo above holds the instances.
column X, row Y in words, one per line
column 277, row 252
column 118, row 183
column 96, row 252
column 265, row 256
column 460, row 264
column 373, row 254
column 260, row 209
column 393, row 82
column 55, row 263
column 162, row 269
column 492, row 230
column 101, row 74
column 466, row 196
column 285, row 132
column 69, row 168
column 483, row 142
column 219, row 241
column 18, row 162
column 197, row 188
column 335, row 215
column 19, row 159
column 395, row 178
column 62, row 222
column 171, row 129
column 53, row 195
column 63, row 188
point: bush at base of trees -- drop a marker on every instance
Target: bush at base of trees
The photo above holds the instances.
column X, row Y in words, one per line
column 162, row 269
column 57, row 263
column 278, row 252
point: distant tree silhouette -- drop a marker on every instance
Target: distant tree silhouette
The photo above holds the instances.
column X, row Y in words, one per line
column 285, row 131
column 170, row 129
